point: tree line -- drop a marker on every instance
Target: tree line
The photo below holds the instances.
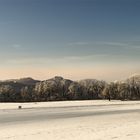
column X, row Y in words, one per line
column 58, row 89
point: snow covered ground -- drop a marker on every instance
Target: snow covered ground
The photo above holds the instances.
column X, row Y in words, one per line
column 64, row 104
column 70, row 120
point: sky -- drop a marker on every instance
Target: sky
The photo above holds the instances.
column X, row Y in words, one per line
column 76, row 39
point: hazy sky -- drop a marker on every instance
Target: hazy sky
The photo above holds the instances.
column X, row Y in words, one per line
column 76, row 39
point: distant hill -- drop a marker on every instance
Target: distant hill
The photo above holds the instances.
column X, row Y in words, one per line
column 58, row 88
column 24, row 81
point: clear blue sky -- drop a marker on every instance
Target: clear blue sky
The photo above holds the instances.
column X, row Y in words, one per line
column 73, row 38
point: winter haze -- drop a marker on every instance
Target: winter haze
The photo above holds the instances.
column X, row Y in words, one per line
column 76, row 39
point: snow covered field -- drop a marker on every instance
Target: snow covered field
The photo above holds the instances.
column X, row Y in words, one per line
column 70, row 120
column 64, row 104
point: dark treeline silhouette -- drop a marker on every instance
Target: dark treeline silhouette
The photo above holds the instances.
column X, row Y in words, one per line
column 58, row 88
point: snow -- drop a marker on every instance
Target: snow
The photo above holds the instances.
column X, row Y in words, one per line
column 64, row 104
column 97, row 127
